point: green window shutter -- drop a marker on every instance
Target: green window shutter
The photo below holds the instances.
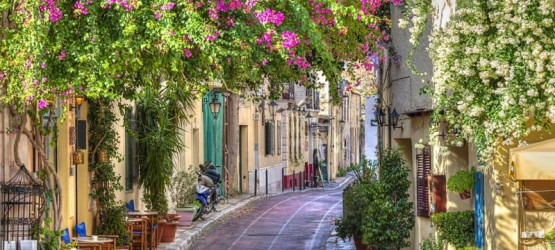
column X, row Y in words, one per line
column 267, row 139
column 273, row 137
column 279, row 138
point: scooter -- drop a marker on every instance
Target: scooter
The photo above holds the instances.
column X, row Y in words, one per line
column 207, row 190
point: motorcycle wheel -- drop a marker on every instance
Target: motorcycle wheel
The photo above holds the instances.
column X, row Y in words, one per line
column 199, row 213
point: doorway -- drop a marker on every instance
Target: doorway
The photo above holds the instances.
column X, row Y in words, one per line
column 243, row 158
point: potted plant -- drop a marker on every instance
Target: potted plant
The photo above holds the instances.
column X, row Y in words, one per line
column 183, row 195
column 160, row 111
column 462, row 182
column 550, row 238
column 355, row 202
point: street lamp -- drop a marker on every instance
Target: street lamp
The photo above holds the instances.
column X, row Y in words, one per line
column 272, row 105
column 393, row 119
column 215, row 106
column 78, row 102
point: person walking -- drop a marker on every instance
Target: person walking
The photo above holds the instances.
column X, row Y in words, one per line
column 315, row 164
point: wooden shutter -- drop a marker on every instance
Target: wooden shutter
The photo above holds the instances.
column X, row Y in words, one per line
column 278, row 138
column 424, row 167
column 439, row 193
column 267, row 139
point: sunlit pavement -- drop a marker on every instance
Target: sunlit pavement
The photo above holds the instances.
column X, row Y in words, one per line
column 297, row 220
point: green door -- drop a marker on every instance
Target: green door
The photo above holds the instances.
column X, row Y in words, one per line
column 213, row 133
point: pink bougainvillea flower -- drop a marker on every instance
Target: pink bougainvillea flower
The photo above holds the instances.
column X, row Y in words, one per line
column 79, row 8
column 30, row 98
column 36, row 82
column 187, row 53
column 44, row 79
column 118, row 75
column 158, row 15
column 43, row 104
column 265, row 62
column 270, row 16
column 62, row 55
column 1, row 75
column 211, row 37
column 167, row 6
column 55, row 14
column 290, row 39
column 266, row 38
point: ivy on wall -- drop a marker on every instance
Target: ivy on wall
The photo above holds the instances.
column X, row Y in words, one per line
column 105, row 182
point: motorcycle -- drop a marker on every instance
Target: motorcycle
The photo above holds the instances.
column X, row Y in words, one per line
column 207, row 190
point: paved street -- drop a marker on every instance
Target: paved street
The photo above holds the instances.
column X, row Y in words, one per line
column 299, row 220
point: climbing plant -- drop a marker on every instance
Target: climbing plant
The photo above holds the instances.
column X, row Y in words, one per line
column 52, row 50
column 105, row 182
column 494, row 71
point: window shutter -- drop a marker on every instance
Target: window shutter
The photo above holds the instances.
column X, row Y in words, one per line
column 272, row 138
column 267, row 139
column 424, row 166
column 439, row 197
column 279, row 138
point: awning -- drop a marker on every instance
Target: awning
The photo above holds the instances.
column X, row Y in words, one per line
column 534, row 162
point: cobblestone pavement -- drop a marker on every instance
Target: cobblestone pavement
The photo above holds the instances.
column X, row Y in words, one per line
column 295, row 220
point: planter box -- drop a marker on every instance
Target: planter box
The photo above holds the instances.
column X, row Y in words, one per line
column 465, row 195
column 186, row 214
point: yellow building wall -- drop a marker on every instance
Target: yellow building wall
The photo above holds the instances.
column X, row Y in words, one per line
column 502, row 210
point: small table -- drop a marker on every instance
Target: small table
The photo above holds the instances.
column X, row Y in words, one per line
column 101, row 242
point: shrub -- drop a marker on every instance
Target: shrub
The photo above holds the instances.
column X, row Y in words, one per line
column 355, row 200
column 431, row 243
column 379, row 211
column 183, row 188
column 455, row 227
column 342, row 172
column 389, row 218
column 461, row 181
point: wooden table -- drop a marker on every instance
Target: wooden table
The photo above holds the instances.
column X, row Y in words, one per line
column 101, row 242
column 152, row 220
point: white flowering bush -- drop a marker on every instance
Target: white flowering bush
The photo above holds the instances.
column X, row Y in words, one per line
column 494, row 70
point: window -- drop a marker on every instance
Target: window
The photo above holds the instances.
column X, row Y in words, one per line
column 424, row 167
column 279, row 138
column 269, row 136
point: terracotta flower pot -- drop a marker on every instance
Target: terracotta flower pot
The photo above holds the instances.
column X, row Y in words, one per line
column 160, row 231
column 186, row 214
column 465, row 195
column 358, row 243
column 168, row 233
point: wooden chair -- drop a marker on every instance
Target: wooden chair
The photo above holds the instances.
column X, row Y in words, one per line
column 138, row 229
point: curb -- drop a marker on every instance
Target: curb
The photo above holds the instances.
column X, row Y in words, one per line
column 195, row 233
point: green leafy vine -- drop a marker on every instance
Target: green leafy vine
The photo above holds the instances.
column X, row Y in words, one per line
column 105, row 182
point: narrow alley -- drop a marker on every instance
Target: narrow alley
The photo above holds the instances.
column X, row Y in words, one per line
column 297, row 220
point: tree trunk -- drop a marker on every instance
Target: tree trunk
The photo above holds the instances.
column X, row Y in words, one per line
column 233, row 138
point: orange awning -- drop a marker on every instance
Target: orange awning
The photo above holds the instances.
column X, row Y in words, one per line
column 534, row 162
